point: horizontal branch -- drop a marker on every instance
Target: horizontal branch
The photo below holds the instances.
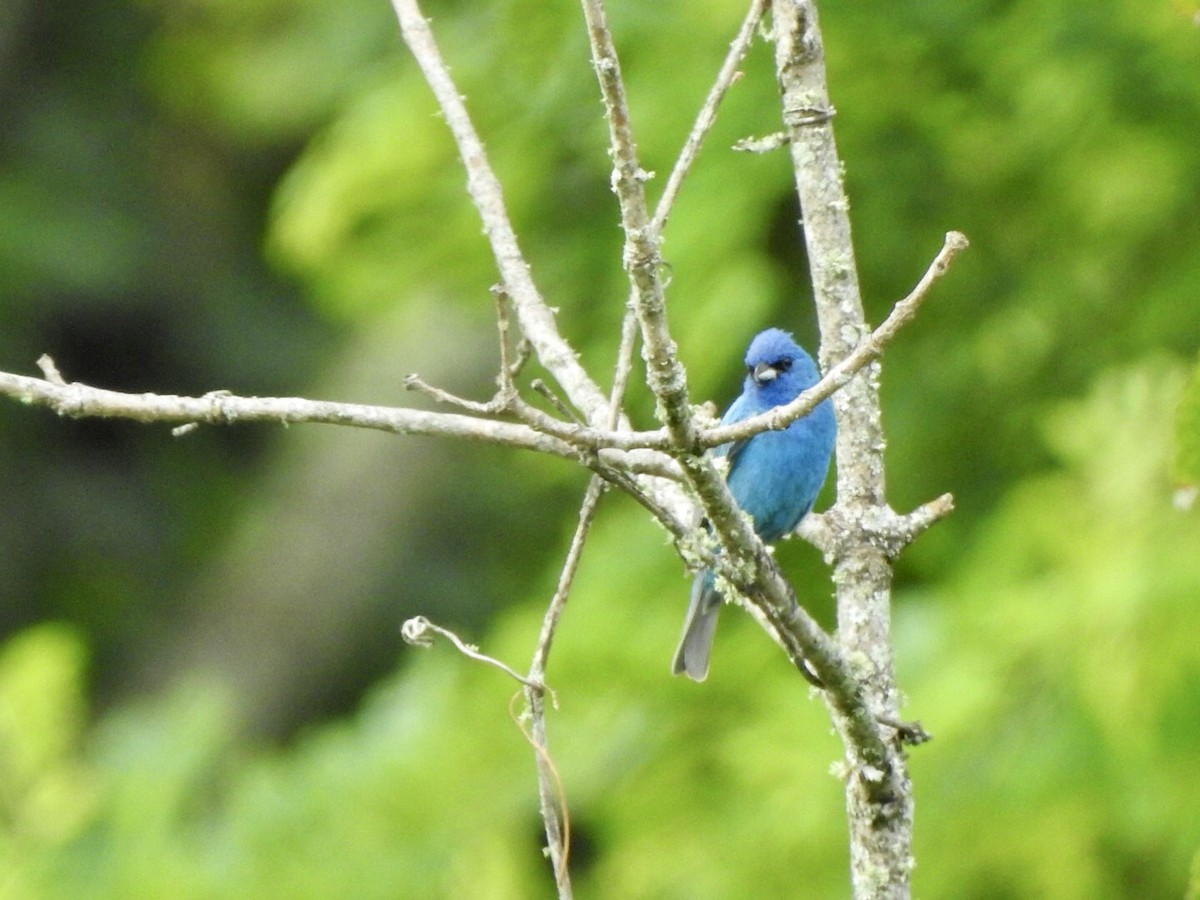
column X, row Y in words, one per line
column 222, row 408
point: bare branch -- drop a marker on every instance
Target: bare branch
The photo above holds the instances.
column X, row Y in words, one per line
column 560, row 405
column 535, row 316
column 726, row 78
column 497, row 404
column 624, row 365
column 888, row 530
column 50, row 370
column 555, row 816
column 868, row 350
column 746, row 563
column 506, row 391
column 587, row 512
column 878, row 789
column 641, row 256
column 925, row 517
column 222, row 408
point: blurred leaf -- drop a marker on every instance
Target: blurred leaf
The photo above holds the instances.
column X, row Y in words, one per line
column 41, row 701
column 1187, row 444
column 1063, row 671
column 266, row 70
column 45, row 794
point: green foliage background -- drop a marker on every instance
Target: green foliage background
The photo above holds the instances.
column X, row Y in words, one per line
column 202, row 690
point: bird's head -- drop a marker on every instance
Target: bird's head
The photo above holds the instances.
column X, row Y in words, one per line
column 777, row 365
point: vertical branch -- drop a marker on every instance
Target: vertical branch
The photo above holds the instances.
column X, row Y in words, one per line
column 554, row 813
column 557, row 825
column 641, row 257
column 705, row 119
column 534, row 316
column 878, row 792
column 753, row 572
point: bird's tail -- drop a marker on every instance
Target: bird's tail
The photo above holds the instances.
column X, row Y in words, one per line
column 695, row 645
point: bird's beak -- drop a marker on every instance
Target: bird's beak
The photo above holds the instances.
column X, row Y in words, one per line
column 764, row 372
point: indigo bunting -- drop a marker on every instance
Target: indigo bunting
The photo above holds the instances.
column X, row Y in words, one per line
column 774, row 476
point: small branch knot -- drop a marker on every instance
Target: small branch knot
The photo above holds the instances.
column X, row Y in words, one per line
column 218, row 412
column 840, row 529
column 806, row 116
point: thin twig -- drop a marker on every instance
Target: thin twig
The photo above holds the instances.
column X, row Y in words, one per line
column 624, row 365
column 419, row 632
column 556, row 401
column 222, row 408
column 868, row 350
column 509, row 368
column 621, row 479
column 506, row 391
column 50, row 370
column 557, row 822
column 726, row 77
column 414, row 382
column 587, row 512
column 765, row 144
column 552, row 796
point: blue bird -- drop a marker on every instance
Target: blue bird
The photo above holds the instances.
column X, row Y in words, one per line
column 775, row 476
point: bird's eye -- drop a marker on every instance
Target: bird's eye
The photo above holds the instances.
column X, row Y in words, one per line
column 783, row 365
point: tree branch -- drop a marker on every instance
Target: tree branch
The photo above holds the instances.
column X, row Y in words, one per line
column 861, row 534
column 746, row 564
column 222, row 408
column 419, row 632
column 535, row 316
column 707, row 117
column 878, row 790
column 554, row 814
column 867, row 351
